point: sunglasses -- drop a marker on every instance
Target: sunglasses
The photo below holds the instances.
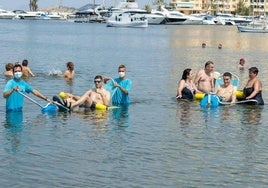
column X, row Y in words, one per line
column 97, row 81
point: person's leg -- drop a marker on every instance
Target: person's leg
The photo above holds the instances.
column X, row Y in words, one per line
column 85, row 99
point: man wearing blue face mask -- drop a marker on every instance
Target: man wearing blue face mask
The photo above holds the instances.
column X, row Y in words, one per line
column 14, row 100
column 119, row 87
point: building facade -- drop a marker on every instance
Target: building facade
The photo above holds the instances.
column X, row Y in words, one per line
column 213, row 6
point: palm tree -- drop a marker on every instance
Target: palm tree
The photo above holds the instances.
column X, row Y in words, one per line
column 33, row 5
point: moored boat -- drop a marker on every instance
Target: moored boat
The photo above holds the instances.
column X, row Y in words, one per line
column 253, row 28
column 127, row 20
column 4, row 14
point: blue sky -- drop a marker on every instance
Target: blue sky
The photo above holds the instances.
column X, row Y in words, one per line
column 24, row 4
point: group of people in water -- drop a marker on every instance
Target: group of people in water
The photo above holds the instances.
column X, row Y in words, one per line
column 26, row 71
column 204, row 82
column 107, row 91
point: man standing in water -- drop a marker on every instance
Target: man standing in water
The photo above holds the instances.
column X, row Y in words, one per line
column 204, row 79
column 14, row 100
column 119, row 87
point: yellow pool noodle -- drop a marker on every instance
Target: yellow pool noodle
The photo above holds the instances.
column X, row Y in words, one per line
column 62, row 95
column 99, row 106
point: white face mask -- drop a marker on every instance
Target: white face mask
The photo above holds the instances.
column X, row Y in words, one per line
column 18, row 75
column 121, row 74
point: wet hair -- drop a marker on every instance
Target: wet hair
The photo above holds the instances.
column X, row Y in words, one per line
column 227, row 74
column 121, row 66
column 254, row 70
column 98, row 76
column 17, row 65
column 185, row 73
column 209, row 63
column 241, row 60
column 70, row 66
column 25, row 62
column 9, row 66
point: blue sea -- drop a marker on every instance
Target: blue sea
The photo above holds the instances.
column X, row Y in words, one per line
column 156, row 141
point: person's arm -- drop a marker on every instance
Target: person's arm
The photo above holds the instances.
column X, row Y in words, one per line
column 105, row 80
column 82, row 99
column 180, row 88
column 257, row 89
column 212, row 83
column 9, row 92
column 30, row 72
column 65, row 74
column 40, row 95
column 217, row 90
column 125, row 91
column 197, row 78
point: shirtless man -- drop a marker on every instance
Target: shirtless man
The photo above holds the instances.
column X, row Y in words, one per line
column 26, row 71
column 93, row 96
column 226, row 91
column 68, row 75
column 204, row 79
column 9, row 70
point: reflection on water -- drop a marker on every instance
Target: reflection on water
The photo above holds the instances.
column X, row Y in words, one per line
column 184, row 112
column 14, row 120
column 252, row 115
column 121, row 116
column 14, row 127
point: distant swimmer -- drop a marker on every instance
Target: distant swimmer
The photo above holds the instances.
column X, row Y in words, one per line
column 204, row 45
column 68, row 75
column 204, row 79
column 220, row 46
column 9, row 70
column 241, row 64
column 26, row 71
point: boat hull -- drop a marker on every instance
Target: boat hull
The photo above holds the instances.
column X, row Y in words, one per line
column 252, row 29
column 142, row 24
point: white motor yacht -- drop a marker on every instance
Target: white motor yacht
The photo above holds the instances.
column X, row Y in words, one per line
column 132, row 8
column 4, row 14
column 206, row 18
column 127, row 20
column 174, row 17
column 229, row 19
column 20, row 14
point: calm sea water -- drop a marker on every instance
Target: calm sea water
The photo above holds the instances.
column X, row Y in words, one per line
column 155, row 142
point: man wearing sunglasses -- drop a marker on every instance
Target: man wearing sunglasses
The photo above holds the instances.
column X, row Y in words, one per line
column 97, row 95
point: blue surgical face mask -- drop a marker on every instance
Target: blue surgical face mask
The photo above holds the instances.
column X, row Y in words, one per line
column 18, row 75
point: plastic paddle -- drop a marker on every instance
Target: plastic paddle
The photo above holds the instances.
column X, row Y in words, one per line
column 47, row 108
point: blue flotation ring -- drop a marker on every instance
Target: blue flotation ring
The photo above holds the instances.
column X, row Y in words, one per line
column 209, row 100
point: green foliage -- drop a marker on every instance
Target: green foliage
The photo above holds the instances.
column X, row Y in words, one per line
column 147, row 8
column 241, row 9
